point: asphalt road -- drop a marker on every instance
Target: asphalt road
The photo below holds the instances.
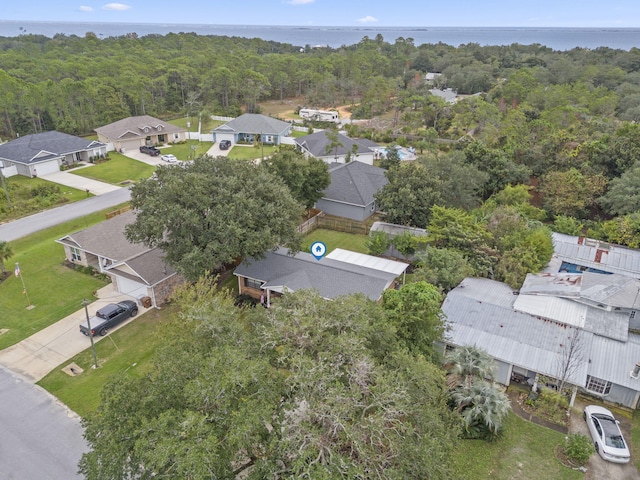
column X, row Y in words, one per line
column 39, row 437
column 25, row 226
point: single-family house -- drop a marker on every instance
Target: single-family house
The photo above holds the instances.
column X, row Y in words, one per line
column 351, row 191
column 135, row 269
column 581, row 254
column 133, row 132
column 578, row 326
column 341, row 272
column 448, row 95
column 251, row 127
column 337, row 149
column 43, row 153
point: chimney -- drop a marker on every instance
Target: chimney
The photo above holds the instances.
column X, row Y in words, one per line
column 636, row 370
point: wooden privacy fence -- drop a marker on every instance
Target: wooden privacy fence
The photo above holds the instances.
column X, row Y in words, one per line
column 342, row 225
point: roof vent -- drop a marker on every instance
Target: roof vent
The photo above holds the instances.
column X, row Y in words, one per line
column 636, row 371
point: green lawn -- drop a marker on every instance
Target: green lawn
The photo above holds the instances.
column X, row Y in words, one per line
column 55, row 290
column 184, row 151
column 333, row 239
column 250, row 152
column 526, row 451
column 297, row 134
column 25, row 201
column 208, row 124
column 635, row 438
column 128, row 350
column 117, row 170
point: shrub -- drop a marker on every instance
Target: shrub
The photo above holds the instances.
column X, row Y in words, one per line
column 578, row 448
column 45, row 190
column 377, row 243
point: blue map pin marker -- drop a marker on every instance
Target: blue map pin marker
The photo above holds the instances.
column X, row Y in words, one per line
column 318, row 249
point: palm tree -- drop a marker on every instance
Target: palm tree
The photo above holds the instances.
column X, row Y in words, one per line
column 482, row 403
column 469, row 362
column 5, row 254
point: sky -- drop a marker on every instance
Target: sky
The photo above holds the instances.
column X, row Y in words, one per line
column 394, row 13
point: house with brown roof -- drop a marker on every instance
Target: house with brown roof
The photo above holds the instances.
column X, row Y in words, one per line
column 133, row 132
column 135, row 269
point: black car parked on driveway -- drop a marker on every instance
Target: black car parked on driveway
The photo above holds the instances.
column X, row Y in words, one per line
column 150, row 150
column 108, row 317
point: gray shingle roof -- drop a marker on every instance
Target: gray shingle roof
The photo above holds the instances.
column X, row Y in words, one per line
column 355, row 183
column 39, row 147
column 317, row 143
column 107, row 239
column 331, row 278
column 256, row 124
column 149, row 266
column 134, row 127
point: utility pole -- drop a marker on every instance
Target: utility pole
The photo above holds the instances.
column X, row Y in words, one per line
column 85, row 302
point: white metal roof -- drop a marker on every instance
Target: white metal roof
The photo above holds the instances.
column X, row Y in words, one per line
column 368, row 261
column 552, row 308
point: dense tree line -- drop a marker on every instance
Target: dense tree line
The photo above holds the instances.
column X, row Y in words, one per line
column 563, row 121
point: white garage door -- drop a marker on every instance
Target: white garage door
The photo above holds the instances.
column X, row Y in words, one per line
column 45, row 168
column 131, row 288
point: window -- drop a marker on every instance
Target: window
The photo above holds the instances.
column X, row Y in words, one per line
column 75, row 255
column 176, row 136
column 251, row 283
column 597, row 385
column 268, row 139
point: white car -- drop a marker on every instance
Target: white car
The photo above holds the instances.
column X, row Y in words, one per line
column 169, row 158
column 606, row 434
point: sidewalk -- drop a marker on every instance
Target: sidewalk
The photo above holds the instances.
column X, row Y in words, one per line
column 36, row 356
column 517, row 409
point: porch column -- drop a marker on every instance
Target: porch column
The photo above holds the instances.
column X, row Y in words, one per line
column 574, row 392
column 268, row 298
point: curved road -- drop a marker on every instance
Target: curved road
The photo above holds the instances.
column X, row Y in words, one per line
column 25, row 226
column 40, row 437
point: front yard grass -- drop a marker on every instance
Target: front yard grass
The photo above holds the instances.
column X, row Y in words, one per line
column 635, row 438
column 208, row 123
column 25, row 200
column 333, row 240
column 525, row 451
column 129, row 351
column 184, row 151
column 117, row 170
column 250, row 152
column 55, row 290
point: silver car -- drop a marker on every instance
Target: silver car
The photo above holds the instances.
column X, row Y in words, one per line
column 606, row 434
column 169, row 158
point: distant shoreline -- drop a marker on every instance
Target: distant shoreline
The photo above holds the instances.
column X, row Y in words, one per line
column 557, row 38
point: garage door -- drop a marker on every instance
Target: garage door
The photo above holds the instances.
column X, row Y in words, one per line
column 45, row 168
column 131, row 287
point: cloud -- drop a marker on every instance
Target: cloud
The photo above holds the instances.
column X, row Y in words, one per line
column 300, row 2
column 367, row 19
column 120, row 7
column 84, row 8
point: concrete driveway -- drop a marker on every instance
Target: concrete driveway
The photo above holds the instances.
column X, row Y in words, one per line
column 597, row 468
column 36, row 356
column 215, row 151
column 81, row 183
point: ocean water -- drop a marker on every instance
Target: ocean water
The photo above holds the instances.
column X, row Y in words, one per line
column 555, row 38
